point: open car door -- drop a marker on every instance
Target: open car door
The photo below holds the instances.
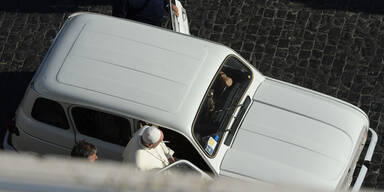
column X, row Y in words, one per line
column 185, row 166
column 179, row 23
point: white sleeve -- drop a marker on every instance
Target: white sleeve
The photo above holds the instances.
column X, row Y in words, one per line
column 142, row 163
column 167, row 151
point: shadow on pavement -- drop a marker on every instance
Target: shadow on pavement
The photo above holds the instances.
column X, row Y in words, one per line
column 47, row 6
column 13, row 85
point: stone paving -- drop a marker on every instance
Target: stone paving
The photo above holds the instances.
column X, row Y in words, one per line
column 332, row 46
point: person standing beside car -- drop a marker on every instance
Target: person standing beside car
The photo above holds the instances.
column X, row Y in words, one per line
column 146, row 150
column 146, row 11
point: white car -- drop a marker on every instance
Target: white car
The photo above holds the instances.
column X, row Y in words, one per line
column 104, row 77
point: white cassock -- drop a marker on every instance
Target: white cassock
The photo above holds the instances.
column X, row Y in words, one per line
column 145, row 158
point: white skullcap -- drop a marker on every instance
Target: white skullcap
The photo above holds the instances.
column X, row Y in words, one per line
column 151, row 135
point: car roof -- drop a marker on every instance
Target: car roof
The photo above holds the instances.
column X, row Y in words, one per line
column 130, row 68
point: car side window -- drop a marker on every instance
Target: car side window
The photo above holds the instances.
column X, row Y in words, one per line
column 103, row 126
column 49, row 112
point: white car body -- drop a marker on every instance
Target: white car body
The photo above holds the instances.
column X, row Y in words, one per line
column 288, row 135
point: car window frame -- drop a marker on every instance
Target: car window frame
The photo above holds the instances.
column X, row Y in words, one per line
column 132, row 121
column 68, row 123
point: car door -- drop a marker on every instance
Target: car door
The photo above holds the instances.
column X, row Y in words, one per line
column 185, row 166
column 108, row 132
column 179, row 23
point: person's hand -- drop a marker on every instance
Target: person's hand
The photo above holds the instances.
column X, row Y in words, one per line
column 175, row 9
column 171, row 160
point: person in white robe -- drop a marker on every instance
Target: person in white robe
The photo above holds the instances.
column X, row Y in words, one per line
column 146, row 150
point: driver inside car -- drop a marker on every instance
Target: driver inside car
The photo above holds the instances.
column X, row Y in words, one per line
column 219, row 92
column 222, row 85
column 215, row 102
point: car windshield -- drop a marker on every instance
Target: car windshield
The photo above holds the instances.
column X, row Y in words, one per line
column 220, row 102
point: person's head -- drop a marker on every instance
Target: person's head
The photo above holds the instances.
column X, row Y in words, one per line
column 84, row 149
column 227, row 80
column 152, row 136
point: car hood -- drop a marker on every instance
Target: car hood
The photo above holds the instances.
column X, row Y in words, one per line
column 296, row 136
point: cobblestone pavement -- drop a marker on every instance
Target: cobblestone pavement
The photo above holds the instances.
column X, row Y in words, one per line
column 332, row 46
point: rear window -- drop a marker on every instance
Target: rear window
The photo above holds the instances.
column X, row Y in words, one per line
column 219, row 104
column 49, row 112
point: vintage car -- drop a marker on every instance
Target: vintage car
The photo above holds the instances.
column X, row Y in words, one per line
column 104, row 77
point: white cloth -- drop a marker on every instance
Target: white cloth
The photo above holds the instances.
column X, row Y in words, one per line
column 145, row 158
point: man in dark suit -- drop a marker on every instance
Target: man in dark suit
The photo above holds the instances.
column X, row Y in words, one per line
column 146, row 11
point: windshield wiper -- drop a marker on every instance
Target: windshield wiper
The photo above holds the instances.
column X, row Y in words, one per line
column 224, row 116
column 228, row 108
column 238, row 119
